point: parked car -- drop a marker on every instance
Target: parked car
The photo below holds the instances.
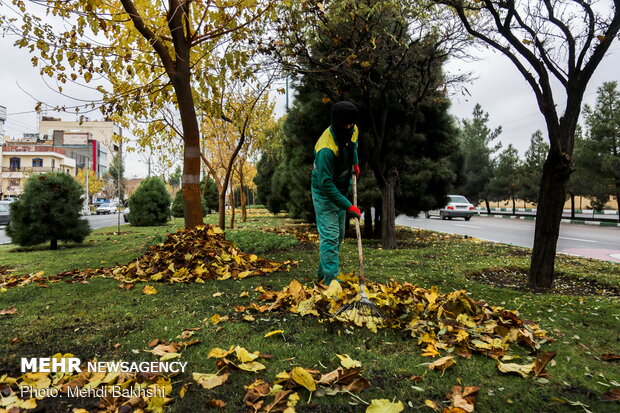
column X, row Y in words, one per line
column 457, row 206
column 4, row 212
column 126, row 215
column 107, row 208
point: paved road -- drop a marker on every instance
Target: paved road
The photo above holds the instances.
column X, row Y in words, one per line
column 583, row 240
column 96, row 221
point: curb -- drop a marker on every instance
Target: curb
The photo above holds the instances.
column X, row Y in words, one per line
column 565, row 221
column 566, row 211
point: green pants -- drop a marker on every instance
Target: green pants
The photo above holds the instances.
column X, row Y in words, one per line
column 330, row 224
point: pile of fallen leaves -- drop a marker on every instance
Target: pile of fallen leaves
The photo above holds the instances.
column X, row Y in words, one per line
column 452, row 322
column 303, row 232
column 195, row 255
column 188, row 255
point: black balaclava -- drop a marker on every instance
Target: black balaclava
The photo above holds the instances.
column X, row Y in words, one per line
column 343, row 113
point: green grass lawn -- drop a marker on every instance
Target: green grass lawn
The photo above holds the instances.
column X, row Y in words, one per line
column 99, row 320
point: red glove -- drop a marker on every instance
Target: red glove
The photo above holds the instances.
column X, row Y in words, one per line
column 357, row 171
column 355, row 211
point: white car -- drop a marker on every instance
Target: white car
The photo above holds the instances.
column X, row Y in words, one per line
column 107, row 208
column 457, row 206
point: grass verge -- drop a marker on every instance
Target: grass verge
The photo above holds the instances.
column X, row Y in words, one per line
column 100, row 320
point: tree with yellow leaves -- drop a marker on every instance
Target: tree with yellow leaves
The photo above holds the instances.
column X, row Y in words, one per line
column 143, row 56
column 94, row 183
column 234, row 135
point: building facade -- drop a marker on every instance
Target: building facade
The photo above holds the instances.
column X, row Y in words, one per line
column 19, row 160
column 106, row 132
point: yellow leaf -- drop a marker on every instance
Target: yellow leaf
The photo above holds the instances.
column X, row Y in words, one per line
column 245, row 356
column 249, row 317
column 384, row 406
column 430, row 351
column 523, row 369
column 209, row 381
column 348, row 363
column 28, row 404
column 431, row 404
column 36, row 380
column 442, row 364
column 149, row 290
column 183, row 390
column 244, row 274
column 334, row 289
column 218, row 353
column 170, row 356
column 302, row 377
column 218, row 294
column 253, row 366
column 305, row 307
column 271, row 333
column 244, row 294
column 216, row 319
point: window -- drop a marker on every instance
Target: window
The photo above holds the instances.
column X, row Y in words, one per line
column 37, row 162
column 14, row 164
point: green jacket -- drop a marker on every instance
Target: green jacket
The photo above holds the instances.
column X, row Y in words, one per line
column 331, row 175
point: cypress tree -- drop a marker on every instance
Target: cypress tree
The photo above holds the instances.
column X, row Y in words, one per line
column 48, row 210
column 150, row 204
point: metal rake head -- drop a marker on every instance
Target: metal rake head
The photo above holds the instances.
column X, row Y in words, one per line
column 360, row 311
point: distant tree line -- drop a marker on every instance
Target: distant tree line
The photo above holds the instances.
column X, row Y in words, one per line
column 490, row 175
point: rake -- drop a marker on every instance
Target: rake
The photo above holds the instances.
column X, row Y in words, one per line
column 361, row 308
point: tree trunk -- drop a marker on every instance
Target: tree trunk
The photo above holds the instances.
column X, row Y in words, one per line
column 551, row 198
column 486, row 202
column 514, row 204
column 233, row 201
column 192, row 207
column 378, row 208
column 618, row 195
column 368, row 222
column 53, row 244
column 221, row 203
column 572, row 205
column 244, row 212
column 388, row 215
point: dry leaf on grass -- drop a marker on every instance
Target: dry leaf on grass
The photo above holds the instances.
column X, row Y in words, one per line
column 209, row 381
column 8, row 311
column 611, row 396
column 442, row 364
column 149, row 290
column 464, row 397
column 384, row 406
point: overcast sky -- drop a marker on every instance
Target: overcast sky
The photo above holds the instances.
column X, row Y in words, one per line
column 498, row 87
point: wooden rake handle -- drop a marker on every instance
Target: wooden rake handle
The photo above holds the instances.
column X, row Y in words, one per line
column 358, row 232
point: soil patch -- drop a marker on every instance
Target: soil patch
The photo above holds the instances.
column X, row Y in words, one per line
column 516, row 279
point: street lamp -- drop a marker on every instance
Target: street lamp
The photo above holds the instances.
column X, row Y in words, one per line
column 84, row 167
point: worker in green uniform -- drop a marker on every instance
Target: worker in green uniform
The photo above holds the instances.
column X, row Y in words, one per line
column 335, row 157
